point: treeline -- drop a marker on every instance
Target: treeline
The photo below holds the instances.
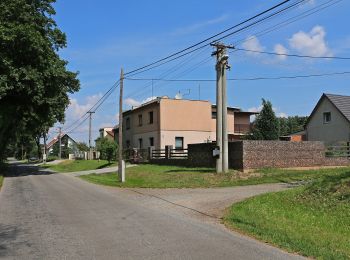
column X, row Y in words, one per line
column 34, row 80
column 269, row 127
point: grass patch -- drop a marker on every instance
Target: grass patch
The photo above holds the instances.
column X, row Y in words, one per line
column 157, row 176
column 313, row 220
column 3, row 167
column 79, row 165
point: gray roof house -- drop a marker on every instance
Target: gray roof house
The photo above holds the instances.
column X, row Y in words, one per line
column 330, row 120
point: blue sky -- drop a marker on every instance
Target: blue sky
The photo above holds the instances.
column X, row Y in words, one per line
column 104, row 36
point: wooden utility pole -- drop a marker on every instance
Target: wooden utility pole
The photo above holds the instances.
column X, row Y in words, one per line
column 60, row 143
column 90, row 146
column 121, row 169
column 221, row 106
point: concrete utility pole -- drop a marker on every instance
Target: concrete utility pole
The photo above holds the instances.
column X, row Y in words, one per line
column 121, row 163
column 221, row 106
column 60, row 143
column 90, row 147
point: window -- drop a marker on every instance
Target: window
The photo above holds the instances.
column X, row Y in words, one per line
column 128, row 123
column 140, row 143
column 140, row 120
column 127, row 143
column 179, row 143
column 150, row 117
column 151, row 141
column 213, row 115
column 327, row 118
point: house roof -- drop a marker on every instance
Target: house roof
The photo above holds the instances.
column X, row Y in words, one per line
column 341, row 103
column 111, row 133
column 55, row 140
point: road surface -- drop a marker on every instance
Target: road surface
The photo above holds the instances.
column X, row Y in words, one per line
column 56, row 216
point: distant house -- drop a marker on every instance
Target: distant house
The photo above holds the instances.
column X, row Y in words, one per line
column 330, row 120
column 178, row 122
column 68, row 146
column 294, row 137
column 107, row 132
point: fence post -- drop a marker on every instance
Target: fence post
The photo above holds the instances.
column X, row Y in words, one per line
column 150, row 152
column 168, row 149
column 348, row 149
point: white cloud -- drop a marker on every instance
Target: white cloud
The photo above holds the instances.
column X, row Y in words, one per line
column 280, row 49
column 135, row 103
column 76, row 110
column 253, row 43
column 276, row 110
column 312, row 43
column 131, row 102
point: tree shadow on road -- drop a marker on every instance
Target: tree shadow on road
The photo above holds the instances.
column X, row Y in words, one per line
column 20, row 169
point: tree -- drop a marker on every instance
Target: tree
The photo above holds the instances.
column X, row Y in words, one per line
column 107, row 148
column 266, row 125
column 82, row 147
column 34, row 81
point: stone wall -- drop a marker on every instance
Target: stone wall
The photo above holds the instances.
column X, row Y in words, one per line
column 281, row 154
column 249, row 154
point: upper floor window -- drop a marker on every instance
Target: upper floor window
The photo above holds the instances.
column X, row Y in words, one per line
column 213, row 114
column 150, row 117
column 128, row 123
column 140, row 120
column 327, row 117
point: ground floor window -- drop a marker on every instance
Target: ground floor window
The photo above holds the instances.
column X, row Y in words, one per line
column 151, row 141
column 179, row 143
column 140, row 143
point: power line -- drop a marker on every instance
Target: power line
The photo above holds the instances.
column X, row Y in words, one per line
column 95, row 106
column 247, row 79
column 186, row 50
column 273, row 28
column 295, row 55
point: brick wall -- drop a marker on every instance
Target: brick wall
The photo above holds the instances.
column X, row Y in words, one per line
column 249, row 154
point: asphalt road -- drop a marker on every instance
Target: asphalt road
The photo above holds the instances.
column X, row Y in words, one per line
column 55, row 216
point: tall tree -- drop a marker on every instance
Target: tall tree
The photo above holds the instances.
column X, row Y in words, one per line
column 34, row 81
column 266, row 125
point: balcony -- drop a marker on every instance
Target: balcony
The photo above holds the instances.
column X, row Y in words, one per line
column 242, row 128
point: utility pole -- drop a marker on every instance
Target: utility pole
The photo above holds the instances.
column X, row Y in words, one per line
column 221, row 106
column 121, row 163
column 90, row 147
column 60, row 143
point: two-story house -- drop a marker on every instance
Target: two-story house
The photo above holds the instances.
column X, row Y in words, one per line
column 178, row 122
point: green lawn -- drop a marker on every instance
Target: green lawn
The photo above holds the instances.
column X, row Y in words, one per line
column 79, row 165
column 2, row 171
column 156, row 176
column 313, row 220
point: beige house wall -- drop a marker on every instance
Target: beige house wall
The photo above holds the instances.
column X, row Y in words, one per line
column 189, row 137
column 336, row 130
column 185, row 115
column 190, row 119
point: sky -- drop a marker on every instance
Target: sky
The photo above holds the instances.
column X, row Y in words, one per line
column 105, row 36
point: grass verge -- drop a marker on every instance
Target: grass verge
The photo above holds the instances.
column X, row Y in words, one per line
column 156, row 176
column 2, row 171
column 313, row 220
column 79, row 165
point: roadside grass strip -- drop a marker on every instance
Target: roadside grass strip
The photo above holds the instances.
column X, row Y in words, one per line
column 79, row 165
column 157, row 176
column 313, row 220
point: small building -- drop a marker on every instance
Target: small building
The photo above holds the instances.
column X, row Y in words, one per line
column 330, row 120
column 178, row 122
column 294, row 137
column 107, row 132
column 68, row 146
